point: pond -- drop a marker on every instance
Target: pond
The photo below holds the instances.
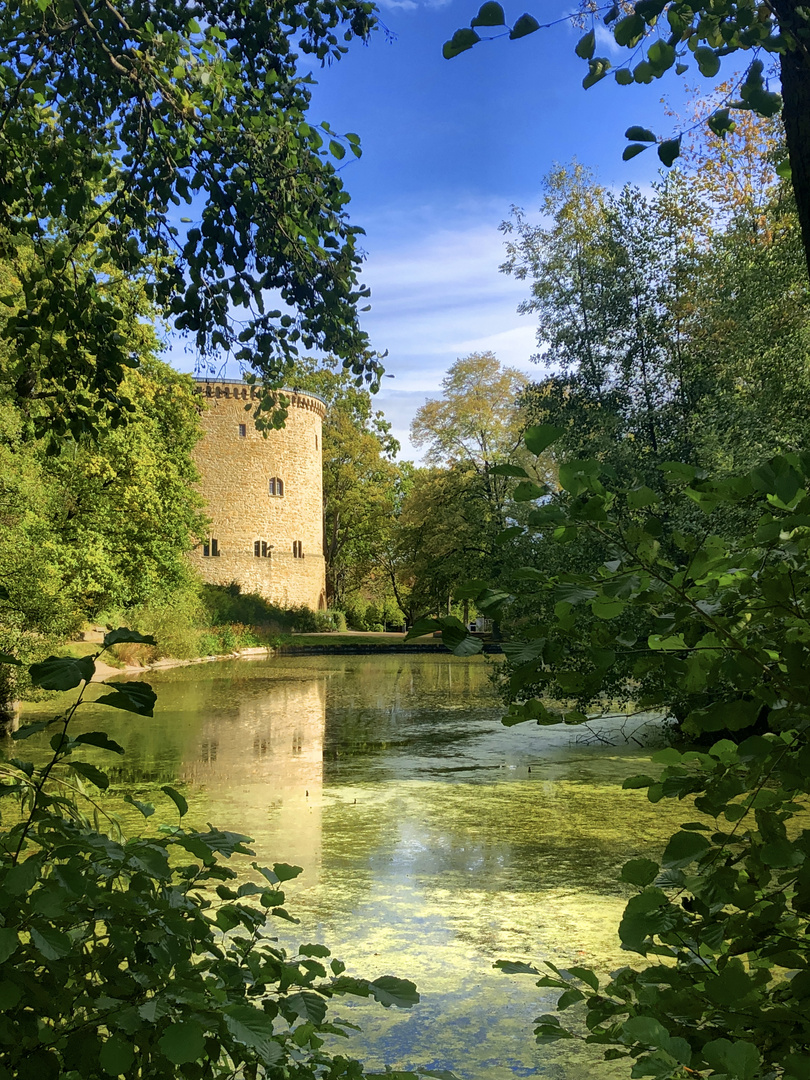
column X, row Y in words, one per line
column 434, row 841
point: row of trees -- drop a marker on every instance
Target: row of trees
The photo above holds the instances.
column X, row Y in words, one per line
column 673, row 325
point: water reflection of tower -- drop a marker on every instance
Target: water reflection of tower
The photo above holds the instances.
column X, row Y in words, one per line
column 262, row 768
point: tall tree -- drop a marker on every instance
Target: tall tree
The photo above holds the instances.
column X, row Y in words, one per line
column 476, row 424
column 612, row 277
column 112, row 114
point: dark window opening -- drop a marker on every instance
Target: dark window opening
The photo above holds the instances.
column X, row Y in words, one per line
column 262, row 550
column 316, row 442
column 257, row 548
column 206, row 549
column 243, row 431
column 298, row 549
column 276, row 486
column 214, row 547
column 210, row 547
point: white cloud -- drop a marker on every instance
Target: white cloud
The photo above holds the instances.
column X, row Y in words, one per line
column 436, row 294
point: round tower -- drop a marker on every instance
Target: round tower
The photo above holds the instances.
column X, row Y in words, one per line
column 264, row 496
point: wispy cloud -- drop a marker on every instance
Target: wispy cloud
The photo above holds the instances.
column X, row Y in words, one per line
column 436, row 294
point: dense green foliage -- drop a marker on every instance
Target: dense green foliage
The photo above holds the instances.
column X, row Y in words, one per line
column 147, row 955
column 104, row 526
column 112, row 115
column 723, row 918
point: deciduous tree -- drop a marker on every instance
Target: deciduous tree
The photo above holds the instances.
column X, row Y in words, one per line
column 112, row 116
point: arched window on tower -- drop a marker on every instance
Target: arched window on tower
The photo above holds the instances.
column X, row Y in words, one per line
column 276, row 486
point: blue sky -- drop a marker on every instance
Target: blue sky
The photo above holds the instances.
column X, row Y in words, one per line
column 448, row 147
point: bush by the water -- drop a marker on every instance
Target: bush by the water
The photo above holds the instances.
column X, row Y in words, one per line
column 148, row 956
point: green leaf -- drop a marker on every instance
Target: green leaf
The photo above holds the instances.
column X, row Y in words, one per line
column 458, row 639
column 254, row 1028
column 123, row 636
column 137, row 697
column 9, row 943
column 286, row 872
column 633, row 150
column 586, row 45
column 528, row 491
column 720, row 123
column 7, row 658
column 639, row 134
column 571, row 593
column 725, row 716
column 707, row 61
column 640, row 872
column 624, row 77
column 489, row 14
column 177, row 799
column 52, row 943
column 684, row 848
column 587, row 976
column 389, row 990
column 597, row 70
column 422, row 627
column 315, row 950
column 645, row 1029
column 460, row 42
column 540, row 437
column 145, row 808
column 526, row 24
column 631, row 783
column 116, row 1056
column 99, row 739
column 669, row 150
column 184, row 1042
column 21, row 878
column 628, row 31
column 661, row 56
column 738, row 1060
column 308, row 1006
column 62, row 672
column 337, row 150
column 515, row 967
column 91, row 773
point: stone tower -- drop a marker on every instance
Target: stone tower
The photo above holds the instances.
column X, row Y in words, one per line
column 264, row 496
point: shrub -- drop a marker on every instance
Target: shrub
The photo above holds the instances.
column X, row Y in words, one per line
column 148, row 957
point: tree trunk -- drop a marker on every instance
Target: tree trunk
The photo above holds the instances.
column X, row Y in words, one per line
column 795, row 73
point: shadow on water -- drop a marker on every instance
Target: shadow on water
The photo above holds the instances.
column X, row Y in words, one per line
column 434, row 840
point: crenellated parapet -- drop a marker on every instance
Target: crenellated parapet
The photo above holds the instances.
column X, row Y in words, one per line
column 239, row 391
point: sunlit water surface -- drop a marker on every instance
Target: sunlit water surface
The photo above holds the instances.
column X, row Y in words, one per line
column 434, row 840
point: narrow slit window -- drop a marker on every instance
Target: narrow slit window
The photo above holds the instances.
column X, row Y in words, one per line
column 257, row 549
column 206, row 549
column 214, row 547
column 298, row 549
column 276, row 486
column 243, row 431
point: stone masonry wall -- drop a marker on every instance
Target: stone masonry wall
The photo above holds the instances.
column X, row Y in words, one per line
column 237, row 471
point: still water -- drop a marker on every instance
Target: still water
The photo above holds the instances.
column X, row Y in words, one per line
column 434, row 840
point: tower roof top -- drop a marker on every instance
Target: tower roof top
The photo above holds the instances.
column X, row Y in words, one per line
column 202, row 379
